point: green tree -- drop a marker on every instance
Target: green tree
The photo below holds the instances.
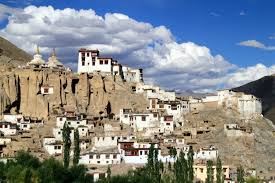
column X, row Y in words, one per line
column 66, row 144
column 219, row 174
column 190, row 162
column 181, row 169
column 109, row 173
column 240, row 174
column 76, row 147
column 153, row 166
column 210, row 173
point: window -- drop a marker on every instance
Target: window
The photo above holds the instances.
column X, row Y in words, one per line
column 114, row 156
column 83, row 54
column 1, row 126
column 145, row 152
column 167, row 124
column 93, row 58
column 93, row 63
column 59, row 147
column 101, row 62
column 46, row 90
column 106, row 61
column 107, row 156
column 161, row 106
column 143, row 118
column 153, row 106
column 201, row 170
column 25, row 126
column 77, row 122
column 97, row 156
column 140, row 152
column 88, row 54
column 91, row 156
column 82, row 129
column 155, row 115
column 113, row 138
column 83, row 63
column 98, row 162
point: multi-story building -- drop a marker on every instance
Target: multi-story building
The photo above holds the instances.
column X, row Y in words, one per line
column 90, row 61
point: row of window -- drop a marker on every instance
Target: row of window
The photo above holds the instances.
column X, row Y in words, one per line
column 101, row 62
column 107, row 156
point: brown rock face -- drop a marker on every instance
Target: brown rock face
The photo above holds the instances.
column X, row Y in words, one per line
column 94, row 94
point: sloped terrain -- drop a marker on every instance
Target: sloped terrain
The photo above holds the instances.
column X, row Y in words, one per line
column 10, row 55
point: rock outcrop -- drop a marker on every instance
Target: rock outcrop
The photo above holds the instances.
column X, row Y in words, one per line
column 93, row 94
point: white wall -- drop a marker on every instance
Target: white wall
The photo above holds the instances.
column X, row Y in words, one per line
column 13, row 118
column 100, row 159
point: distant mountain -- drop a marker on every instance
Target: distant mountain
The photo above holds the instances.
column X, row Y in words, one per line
column 11, row 55
column 263, row 88
column 193, row 94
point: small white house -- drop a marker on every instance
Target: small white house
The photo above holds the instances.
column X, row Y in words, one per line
column 105, row 141
column 166, row 124
column 52, row 146
column 13, row 118
column 46, row 89
column 206, row 153
column 106, row 156
column 24, row 126
column 8, row 128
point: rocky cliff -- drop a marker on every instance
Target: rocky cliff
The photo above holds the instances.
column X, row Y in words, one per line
column 96, row 95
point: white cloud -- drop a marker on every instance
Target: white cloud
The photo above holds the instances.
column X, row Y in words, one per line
column 242, row 13
column 166, row 62
column 256, row 44
column 214, row 14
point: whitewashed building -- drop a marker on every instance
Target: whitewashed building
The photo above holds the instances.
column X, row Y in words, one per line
column 247, row 105
column 90, row 61
column 13, row 118
column 52, row 146
column 155, row 92
column 8, row 128
column 106, row 156
column 166, row 124
column 206, row 153
column 46, row 89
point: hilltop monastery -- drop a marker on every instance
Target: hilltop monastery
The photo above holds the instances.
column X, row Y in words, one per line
column 127, row 137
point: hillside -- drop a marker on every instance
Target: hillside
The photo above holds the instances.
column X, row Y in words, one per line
column 11, row 55
column 263, row 88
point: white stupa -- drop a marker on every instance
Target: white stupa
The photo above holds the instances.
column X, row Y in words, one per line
column 37, row 59
column 53, row 62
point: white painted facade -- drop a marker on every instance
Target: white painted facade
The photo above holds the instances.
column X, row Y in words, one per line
column 89, row 61
column 4, row 141
column 52, row 146
column 155, row 92
column 137, row 153
column 166, row 124
column 132, row 75
column 46, row 90
column 13, row 118
column 249, row 106
column 208, row 153
column 8, row 128
column 101, row 157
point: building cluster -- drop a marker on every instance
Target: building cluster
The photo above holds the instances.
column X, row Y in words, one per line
column 13, row 125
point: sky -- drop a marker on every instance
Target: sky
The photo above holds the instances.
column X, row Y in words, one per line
column 198, row 45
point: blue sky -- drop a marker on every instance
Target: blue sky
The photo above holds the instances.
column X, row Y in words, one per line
column 219, row 25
